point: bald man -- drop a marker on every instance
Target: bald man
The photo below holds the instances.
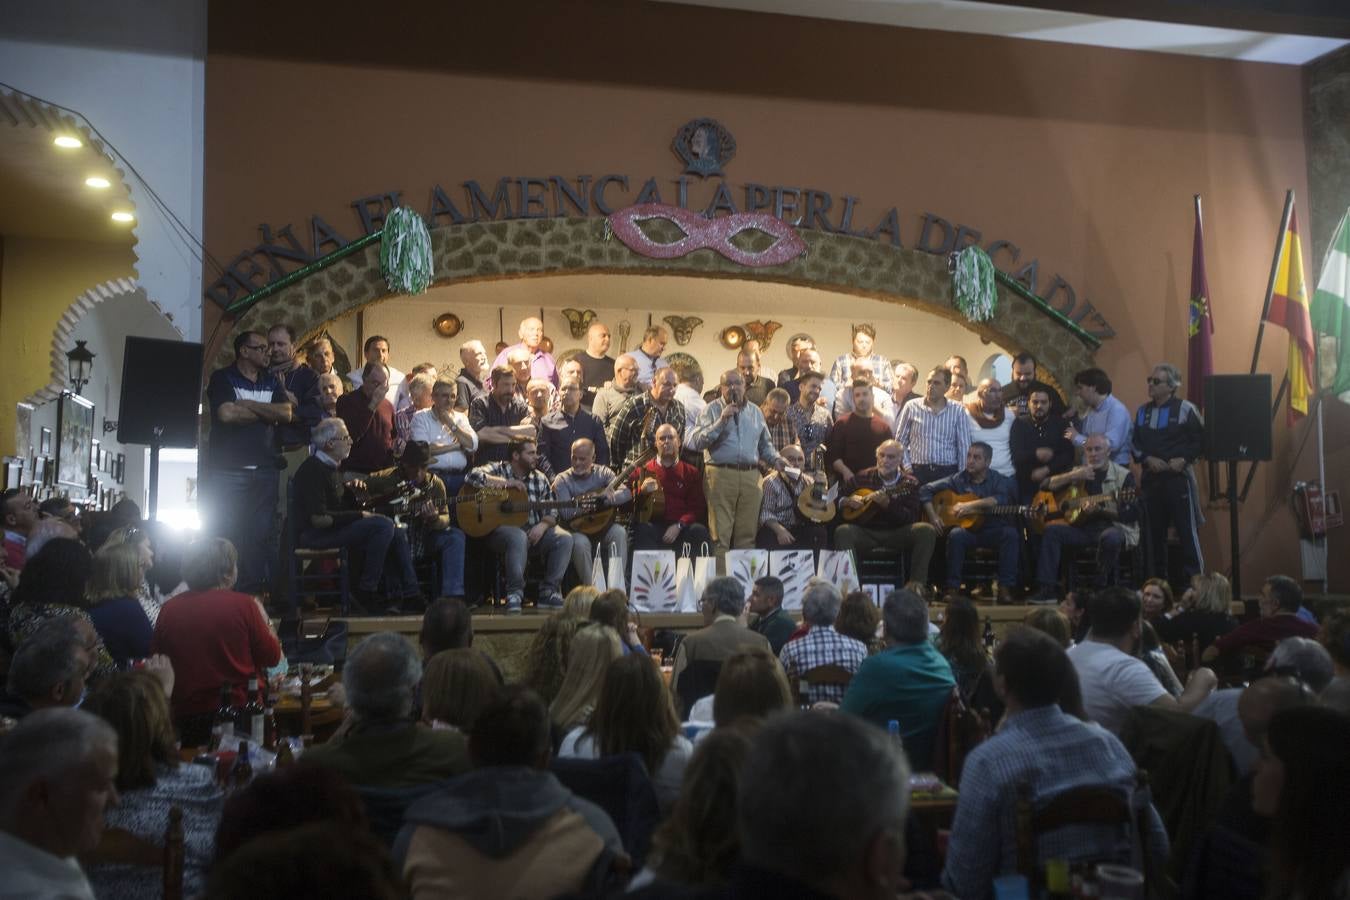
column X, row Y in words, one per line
column 597, row 366
column 531, row 333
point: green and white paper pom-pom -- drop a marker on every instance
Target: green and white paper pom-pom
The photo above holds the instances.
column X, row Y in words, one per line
column 405, row 252
column 973, row 284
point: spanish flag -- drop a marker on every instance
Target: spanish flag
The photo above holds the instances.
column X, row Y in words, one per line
column 1289, row 309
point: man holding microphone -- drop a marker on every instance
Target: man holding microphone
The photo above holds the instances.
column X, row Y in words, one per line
column 734, row 439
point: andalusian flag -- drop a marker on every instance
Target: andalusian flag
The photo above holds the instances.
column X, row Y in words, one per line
column 1331, row 313
column 1289, row 309
column 1200, row 325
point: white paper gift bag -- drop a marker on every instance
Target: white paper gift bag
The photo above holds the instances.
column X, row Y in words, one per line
column 687, row 597
column 654, row 581
column 747, row 566
column 598, row 572
column 705, row 570
column 838, row 568
column 615, row 573
column 794, row 568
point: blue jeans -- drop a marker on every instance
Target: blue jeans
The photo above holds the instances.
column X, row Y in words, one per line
column 1003, row 537
column 448, row 545
column 379, row 541
column 512, row 542
column 1108, row 538
column 243, row 505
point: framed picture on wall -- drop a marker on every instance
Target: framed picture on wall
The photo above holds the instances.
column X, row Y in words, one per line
column 97, row 464
column 74, row 440
column 120, row 468
column 44, row 441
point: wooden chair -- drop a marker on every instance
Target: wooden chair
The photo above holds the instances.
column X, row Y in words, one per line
column 301, row 563
column 960, row 731
column 820, row 675
column 121, row 847
column 1090, row 805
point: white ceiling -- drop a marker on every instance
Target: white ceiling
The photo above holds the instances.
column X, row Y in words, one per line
column 1051, row 25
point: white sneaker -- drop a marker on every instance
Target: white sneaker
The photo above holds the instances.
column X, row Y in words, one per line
column 513, row 604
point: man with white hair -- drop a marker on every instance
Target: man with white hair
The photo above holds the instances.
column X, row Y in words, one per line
column 531, row 333
column 58, row 769
column 724, row 633
column 380, row 744
column 469, row 383
column 821, row 810
column 48, row 670
column 822, row 645
column 610, row 399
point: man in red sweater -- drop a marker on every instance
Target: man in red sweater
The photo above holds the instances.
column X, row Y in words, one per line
column 370, row 421
column 854, row 439
column 683, row 524
column 1281, row 598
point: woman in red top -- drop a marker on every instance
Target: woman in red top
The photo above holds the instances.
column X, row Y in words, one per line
column 213, row 635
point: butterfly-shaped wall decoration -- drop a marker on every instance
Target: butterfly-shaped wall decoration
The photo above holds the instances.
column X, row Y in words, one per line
column 624, row 330
column 578, row 320
column 763, row 332
column 683, row 326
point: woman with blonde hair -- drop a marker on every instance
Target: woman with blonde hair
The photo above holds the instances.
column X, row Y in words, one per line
column 113, row 607
column 546, row 658
column 151, row 780
column 139, row 539
column 1204, row 612
column 635, row 713
column 1051, row 621
column 593, row 649
column 578, row 601
column 456, row 686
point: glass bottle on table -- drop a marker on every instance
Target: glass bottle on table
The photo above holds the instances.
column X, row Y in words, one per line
column 253, row 716
column 242, row 773
column 222, row 725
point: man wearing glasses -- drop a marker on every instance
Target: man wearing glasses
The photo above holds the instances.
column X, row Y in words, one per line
column 247, row 403
column 20, row 514
column 1169, row 436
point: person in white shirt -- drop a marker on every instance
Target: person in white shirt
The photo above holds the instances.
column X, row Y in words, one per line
column 881, row 400
column 991, row 423
column 59, row 768
column 1112, row 678
column 376, row 350
column 689, row 390
column 448, row 434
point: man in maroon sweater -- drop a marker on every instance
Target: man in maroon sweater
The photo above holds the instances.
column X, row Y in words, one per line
column 683, row 524
column 854, row 439
column 1281, row 598
column 370, row 421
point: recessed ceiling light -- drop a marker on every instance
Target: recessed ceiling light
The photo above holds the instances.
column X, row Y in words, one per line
column 97, row 181
column 122, row 216
column 68, row 142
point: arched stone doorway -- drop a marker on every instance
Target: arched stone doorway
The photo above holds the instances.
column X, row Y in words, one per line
column 538, row 247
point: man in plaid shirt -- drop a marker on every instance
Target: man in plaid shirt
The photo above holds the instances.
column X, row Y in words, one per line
column 541, row 534
column 626, row 435
column 822, row 645
column 1050, row 752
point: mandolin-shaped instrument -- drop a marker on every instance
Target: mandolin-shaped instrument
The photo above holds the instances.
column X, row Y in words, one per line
column 868, row 496
column 814, row 503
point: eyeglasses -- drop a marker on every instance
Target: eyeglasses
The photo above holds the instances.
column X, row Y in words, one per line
column 1153, row 380
column 255, row 347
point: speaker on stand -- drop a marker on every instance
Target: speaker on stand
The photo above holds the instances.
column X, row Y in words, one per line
column 1237, row 429
column 161, row 393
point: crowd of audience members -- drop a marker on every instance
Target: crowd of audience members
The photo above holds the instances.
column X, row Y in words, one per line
column 737, row 774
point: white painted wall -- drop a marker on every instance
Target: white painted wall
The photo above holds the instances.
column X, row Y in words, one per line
column 136, row 70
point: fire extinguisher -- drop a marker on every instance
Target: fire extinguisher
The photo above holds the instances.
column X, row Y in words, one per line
column 1310, row 508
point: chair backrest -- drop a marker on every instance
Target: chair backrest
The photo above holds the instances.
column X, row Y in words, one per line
column 698, row 680
column 960, row 730
column 1088, row 805
column 619, row 785
column 118, row 846
column 828, row 674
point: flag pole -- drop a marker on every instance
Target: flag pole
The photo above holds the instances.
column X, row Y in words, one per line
column 1322, row 482
column 1274, row 272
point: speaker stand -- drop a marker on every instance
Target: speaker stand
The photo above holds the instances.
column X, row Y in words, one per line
column 1233, row 528
column 156, row 437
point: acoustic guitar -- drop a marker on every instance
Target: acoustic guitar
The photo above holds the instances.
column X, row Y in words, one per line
column 814, row 503
column 481, row 509
column 596, row 523
column 868, row 496
column 944, row 503
column 1070, row 504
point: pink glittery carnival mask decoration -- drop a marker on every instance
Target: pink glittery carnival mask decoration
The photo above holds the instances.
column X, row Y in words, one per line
column 713, row 234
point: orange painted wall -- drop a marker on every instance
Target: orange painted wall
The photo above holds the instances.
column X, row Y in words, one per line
column 1086, row 158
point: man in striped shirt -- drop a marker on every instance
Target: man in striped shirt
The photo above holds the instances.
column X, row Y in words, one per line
column 933, row 432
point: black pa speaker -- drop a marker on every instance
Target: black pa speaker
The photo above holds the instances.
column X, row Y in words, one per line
column 1237, row 417
column 161, row 388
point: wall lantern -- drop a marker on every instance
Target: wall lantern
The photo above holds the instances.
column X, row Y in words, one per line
column 79, row 364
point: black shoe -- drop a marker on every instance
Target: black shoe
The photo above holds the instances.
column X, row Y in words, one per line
column 1005, row 596
column 363, row 603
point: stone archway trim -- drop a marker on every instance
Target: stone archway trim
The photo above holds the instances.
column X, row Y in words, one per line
column 539, row 247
